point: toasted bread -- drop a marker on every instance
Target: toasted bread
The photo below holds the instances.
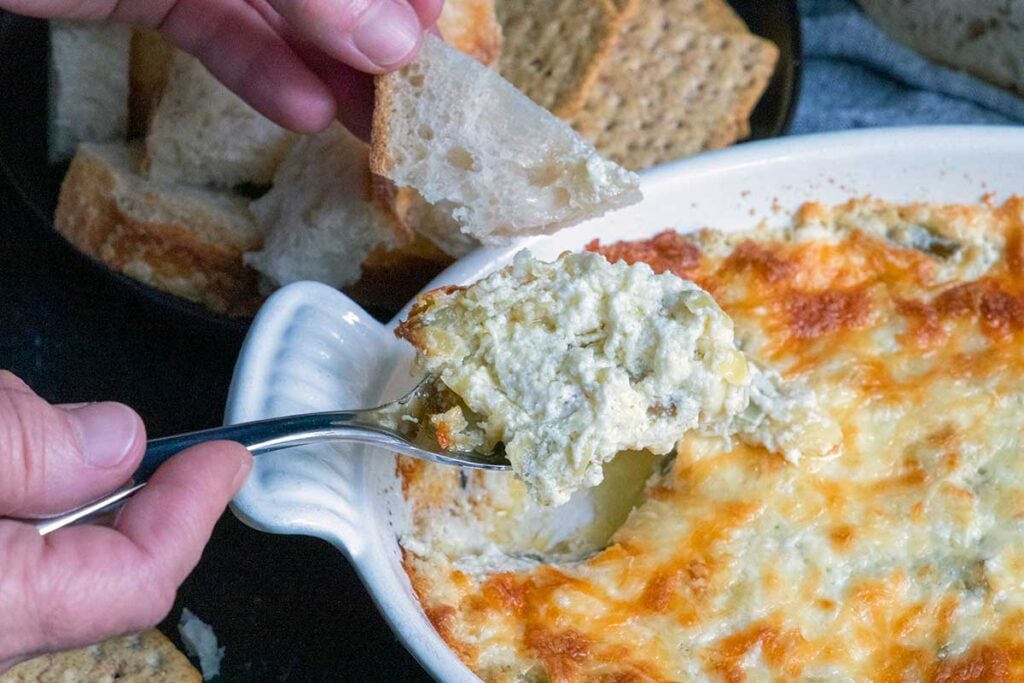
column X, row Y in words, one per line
column 184, row 240
column 150, row 64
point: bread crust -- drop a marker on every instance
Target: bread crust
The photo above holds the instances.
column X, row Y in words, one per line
column 170, row 257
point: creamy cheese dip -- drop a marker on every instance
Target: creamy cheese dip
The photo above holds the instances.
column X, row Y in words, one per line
column 571, row 362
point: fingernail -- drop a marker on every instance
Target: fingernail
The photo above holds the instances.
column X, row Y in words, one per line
column 388, row 32
column 106, row 432
column 243, row 473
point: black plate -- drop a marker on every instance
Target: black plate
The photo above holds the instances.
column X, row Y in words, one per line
column 23, row 76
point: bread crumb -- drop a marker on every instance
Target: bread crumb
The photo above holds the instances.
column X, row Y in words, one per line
column 200, row 643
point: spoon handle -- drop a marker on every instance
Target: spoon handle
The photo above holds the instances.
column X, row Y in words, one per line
column 259, row 437
column 358, row 426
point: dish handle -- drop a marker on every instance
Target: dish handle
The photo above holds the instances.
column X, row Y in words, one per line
column 310, row 348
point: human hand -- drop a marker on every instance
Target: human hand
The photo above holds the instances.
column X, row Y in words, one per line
column 82, row 584
column 301, row 63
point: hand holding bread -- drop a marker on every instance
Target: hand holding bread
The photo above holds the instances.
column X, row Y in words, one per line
column 214, row 201
column 300, row 64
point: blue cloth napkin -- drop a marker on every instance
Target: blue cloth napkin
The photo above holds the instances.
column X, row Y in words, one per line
column 855, row 76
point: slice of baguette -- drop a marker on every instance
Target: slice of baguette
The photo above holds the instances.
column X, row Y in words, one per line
column 319, row 217
column 203, row 134
column 184, row 240
column 144, row 658
column 88, row 81
column 982, row 37
column 471, row 27
column 150, row 62
column 476, row 147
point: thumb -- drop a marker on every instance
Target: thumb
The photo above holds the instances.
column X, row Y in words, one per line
column 369, row 35
column 53, row 458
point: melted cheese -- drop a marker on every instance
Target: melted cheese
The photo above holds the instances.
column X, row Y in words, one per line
column 569, row 363
column 902, row 559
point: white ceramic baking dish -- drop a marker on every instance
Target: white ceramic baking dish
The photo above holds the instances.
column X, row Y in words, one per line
column 311, row 348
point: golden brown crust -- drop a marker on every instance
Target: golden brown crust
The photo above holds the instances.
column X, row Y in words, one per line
column 150, row 59
column 471, row 27
column 380, row 131
column 145, row 658
column 170, row 257
column 390, row 277
column 922, row 413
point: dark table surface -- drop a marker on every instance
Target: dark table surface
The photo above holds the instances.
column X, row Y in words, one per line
column 286, row 608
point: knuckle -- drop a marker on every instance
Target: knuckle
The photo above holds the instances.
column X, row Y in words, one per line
column 10, row 381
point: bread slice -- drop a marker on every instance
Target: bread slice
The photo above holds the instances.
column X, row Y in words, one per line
column 471, row 27
column 150, row 63
column 319, row 217
column 675, row 86
column 88, row 81
column 393, row 276
column 554, row 48
column 203, row 134
column 184, row 240
column 982, row 37
column 477, row 148
column 144, row 658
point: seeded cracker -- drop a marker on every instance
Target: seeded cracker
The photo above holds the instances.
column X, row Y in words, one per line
column 696, row 95
column 554, row 49
column 145, row 658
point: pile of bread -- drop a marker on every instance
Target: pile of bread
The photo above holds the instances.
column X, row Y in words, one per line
column 176, row 182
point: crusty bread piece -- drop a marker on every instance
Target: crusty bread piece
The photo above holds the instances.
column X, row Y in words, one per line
column 554, row 48
column 88, row 83
column 150, row 61
column 319, row 217
column 674, row 86
column 982, row 37
column 473, row 145
column 393, row 276
column 144, row 658
column 185, row 240
column 415, row 215
column 471, row 27
column 203, row 134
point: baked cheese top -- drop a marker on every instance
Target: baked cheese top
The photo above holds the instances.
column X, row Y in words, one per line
column 569, row 363
column 901, row 559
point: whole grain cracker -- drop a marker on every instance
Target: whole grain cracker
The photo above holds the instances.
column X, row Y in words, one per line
column 674, row 87
column 554, row 49
column 716, row 14
column 144, row 658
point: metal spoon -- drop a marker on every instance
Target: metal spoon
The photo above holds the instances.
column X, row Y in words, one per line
column 388, row 426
